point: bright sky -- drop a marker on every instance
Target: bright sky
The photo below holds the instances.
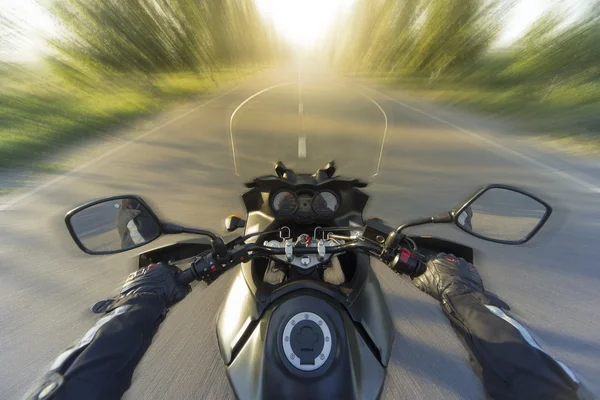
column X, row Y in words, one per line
column 527, row 11
column 35, row 23
column 304, row 22
column 523, row 15
column 301, row 22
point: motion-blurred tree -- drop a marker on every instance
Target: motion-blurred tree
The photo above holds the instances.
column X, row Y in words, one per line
column 455, row 34
column 552, row 51
column 421, row 36
column 149, row 36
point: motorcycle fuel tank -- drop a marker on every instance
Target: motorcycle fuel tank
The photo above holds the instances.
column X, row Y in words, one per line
column 305, row 347
column 306, row 344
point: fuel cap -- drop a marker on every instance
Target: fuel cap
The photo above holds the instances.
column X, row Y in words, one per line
column 307, row 341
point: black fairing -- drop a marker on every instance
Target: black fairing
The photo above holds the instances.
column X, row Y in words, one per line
column 260, row 372
column 370, row 312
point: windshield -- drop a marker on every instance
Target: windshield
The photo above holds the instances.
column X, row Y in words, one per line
column 306, row 124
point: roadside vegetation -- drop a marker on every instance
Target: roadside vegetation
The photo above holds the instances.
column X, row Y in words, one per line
column 113, row 60
column 548, row 81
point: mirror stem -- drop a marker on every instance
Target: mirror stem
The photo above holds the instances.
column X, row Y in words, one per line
column 174, row 229
column 416, row 222
column 171, row 228
column 216, row 242
column 443, row 218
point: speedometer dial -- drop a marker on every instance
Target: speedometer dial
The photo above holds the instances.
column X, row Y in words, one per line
column 285, row 203
column 325, row 203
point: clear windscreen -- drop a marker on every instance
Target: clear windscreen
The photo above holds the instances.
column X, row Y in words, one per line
column 305, row 125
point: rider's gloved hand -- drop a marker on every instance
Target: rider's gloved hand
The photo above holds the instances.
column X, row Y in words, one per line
column 447, row 275
column 155, row 278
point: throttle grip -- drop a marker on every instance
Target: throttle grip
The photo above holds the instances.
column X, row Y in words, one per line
column 201, row 269
column 208, row 267
column 185, row 277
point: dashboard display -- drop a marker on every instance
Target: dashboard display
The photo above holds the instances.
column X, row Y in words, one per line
column 305, row 202
column 285, row 203
column 325, row 203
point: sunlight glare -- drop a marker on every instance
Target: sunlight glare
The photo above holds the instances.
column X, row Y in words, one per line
column 303, row 22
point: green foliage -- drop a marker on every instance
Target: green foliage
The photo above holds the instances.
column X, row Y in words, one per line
column 421, row 36
column 114, row 60
column 37, row 119
column 444, row 49
column 551, row 52
column 151, row 36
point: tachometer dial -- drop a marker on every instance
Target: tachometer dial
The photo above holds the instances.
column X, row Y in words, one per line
column 285, row 203
column 325, row 203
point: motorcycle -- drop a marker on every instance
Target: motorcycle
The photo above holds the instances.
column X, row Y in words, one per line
column 300, row 335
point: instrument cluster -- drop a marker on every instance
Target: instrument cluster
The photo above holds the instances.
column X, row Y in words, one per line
column 305, row 205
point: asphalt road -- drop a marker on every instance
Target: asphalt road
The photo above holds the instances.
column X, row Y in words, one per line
column 181, row 162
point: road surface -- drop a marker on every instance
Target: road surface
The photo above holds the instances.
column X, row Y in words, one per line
column 182, row 164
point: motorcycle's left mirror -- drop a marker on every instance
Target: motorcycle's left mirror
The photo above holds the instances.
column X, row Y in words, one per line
column 113, row 225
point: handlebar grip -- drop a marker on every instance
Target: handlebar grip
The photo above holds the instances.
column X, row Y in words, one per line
column 203, row 269
column 185, row 277
column 408, row 263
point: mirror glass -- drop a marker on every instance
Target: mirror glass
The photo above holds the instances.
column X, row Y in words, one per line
column 502, row 215
column 113, row 225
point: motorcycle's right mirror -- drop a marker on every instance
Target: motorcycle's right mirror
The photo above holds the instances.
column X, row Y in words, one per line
column 502, row 214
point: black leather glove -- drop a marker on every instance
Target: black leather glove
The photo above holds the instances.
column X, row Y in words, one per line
column 448, row 275
column 155, row 278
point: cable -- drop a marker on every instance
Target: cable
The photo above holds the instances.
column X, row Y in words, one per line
column 412, row 242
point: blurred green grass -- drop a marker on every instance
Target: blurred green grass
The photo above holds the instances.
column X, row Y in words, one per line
column 41, row 116
column 565, row 114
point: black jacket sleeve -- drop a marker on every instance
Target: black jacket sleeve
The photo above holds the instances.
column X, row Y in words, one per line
column 508, row 361
column 101, row 364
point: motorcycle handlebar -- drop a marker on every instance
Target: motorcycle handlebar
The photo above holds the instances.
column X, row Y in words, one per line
column 301, row 250
column 205, row 268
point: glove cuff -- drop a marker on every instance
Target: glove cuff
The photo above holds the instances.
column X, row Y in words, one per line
column 457, row 288
column 46, row 387
column 485, row 297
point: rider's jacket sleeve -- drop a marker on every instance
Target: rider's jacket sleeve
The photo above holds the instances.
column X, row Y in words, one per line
column 504, row 355
column 101, row 364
